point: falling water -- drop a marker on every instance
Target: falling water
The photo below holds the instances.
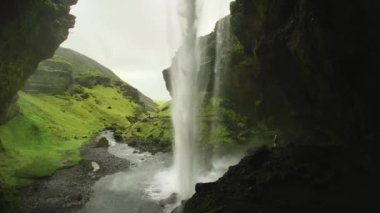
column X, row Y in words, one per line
column 222, row 46
column 184, row 103
column 223, row 43
column 184, row 76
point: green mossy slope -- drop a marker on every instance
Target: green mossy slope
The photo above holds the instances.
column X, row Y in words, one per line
column 151, row 131
column 69, row 68
column 50, row 130
column 62, row 106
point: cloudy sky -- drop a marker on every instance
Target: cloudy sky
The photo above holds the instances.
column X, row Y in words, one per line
column 136, row 38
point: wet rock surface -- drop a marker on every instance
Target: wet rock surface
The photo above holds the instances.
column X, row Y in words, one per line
column 69, row 189
column 102, row 142
column 291, row 179
column 151, row 145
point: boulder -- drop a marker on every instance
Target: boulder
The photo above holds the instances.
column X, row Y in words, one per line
column 75, row 89
column 170, row 200
column 290, row 180
column 102, row 142
column 118, row 136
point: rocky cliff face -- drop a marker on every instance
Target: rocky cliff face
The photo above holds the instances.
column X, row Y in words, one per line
column 209, row 51
column 288, row 180
column 31, row 30
column 306, row 69
column 51, row 77
column 309, row 67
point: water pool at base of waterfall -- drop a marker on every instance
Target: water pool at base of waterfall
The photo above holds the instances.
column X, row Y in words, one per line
column 147, row 186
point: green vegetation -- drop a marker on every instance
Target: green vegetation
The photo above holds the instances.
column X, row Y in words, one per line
column 222, row 127
column 67, row 101
column 152, row 131
column 50, row 130
column 53, row 76
column 83, row 65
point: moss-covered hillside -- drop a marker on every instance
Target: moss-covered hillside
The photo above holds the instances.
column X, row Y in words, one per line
column 67, row 101
column 150, row 131
column 68, row 70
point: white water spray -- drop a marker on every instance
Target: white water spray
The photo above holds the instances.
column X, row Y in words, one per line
column 184, row 75
column 223, row 45
column 184, row 103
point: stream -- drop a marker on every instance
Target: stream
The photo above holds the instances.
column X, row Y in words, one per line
column 147, row 186
column 135, row 190
column 118, row 179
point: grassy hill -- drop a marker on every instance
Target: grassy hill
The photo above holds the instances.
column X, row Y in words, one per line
column 83, row 65
column 55, row 75
column 68, row 100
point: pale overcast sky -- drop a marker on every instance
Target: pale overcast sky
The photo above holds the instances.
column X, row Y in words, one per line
column 135, row 38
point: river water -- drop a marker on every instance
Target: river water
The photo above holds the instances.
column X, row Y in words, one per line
column 135, row 190
column 143, row 187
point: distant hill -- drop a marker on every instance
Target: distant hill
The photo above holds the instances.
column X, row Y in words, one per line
column 69, row 68
column 82, row 64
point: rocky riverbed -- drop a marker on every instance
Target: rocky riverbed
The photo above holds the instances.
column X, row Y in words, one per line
column 113, row 177
column 69, row 189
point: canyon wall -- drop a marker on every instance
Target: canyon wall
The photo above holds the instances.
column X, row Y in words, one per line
column 31, row 30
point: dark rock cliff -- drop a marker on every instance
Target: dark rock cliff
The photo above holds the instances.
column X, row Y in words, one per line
column 31, row 30
column 291, row 179
column 307, row 69
column 208, row 48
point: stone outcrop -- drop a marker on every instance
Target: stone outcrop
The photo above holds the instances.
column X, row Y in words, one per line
column 31, row 30
column 208, row 49
column 51, row 77
column 304, row 68
column 102, row 143
column 308, row 70
column 291, row 180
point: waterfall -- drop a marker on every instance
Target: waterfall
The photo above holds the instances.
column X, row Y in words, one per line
column 183, row 77
column 184, row 102
column 221, row 64
column 223, row 44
